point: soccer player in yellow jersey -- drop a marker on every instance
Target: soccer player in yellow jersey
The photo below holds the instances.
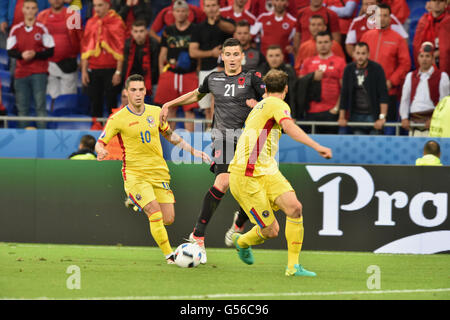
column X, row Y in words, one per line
column 145, row 172
column 256, row 182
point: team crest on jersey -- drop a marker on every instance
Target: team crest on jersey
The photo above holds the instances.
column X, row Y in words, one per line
column 265, row 213
column 151, row 121
column 138, row 197
column 285, row 26
column 241, row 83
column 37, row 36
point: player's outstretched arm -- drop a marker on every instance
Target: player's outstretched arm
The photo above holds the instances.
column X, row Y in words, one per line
column 176, row 140
column 188, row 98
column 101, row 151
column 296, row 133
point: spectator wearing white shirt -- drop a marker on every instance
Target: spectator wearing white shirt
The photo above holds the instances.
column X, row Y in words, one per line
column 422, row 91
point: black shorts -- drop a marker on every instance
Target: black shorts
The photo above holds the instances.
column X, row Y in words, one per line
column 222, row 154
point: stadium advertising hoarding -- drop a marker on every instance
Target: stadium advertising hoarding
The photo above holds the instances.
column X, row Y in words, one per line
column 389, row 209
column 380, row 209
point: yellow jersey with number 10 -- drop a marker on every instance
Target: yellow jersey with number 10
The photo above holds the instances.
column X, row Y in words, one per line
column 139, row 138
column 258, row 144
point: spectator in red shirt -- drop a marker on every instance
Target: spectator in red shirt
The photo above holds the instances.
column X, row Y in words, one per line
column 309, row 48
column 30, row 43
column 165, row 18
column 361, row 25
column 302, row 27
column 428, row 29
column 346, row 11
column 237, row 12
column 63, row 75
column 390, row 50
column 444, row 46
column 329, row 70
column 277, row 27
column 102, row 56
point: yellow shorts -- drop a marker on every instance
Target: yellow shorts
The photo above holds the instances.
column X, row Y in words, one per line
column 257, row 195
column 142, row 191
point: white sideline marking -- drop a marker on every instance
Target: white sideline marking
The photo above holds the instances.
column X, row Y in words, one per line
column 254, row 295
column 112, row 247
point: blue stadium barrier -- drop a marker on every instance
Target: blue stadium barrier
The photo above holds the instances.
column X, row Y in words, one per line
column 72, row 125
column 347, row 149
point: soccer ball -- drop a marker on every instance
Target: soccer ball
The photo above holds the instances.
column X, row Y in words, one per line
column 188, row 255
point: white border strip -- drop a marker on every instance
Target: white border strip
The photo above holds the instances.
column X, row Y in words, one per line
column 248, row 295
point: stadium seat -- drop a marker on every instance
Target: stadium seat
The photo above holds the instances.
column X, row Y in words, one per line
column 64, row 105
column 3, row 59
column 5, row 77
column 9, row 103
column 72, row 125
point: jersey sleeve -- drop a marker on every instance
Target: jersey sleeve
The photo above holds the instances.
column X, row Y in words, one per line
column 258, row 84
column 112, row 128
column 204, row 87
column 281, row 112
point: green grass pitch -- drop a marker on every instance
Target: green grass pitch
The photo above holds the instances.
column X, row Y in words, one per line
column 33, row 271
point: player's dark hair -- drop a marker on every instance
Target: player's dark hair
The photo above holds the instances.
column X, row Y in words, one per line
column 432, row 147
column 139, row 23
column 243, row 23
column 323, row 34
column 317, row 16
column 385, row 6
column 363, row 44
column 133, row 77
column 232, row 42
column 274, row 47
column 276, row 81
column 34, row 1
column 88, row 142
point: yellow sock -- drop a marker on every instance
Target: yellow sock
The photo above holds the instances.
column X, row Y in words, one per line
column 159, row 232
column 252, row 237
column 294, row 237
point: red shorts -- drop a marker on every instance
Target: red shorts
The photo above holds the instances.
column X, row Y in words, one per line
column 172, row 85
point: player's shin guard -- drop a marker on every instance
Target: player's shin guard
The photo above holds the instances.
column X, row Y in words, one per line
column 210, row 204
column 294, row 238
column 159, row 232
column 251, row 238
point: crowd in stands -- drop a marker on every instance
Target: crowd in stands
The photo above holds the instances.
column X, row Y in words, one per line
column 347, row 60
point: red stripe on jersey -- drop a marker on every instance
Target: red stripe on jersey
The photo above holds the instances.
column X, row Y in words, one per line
column 101, row 141
column 124, row 163
column 253, row 158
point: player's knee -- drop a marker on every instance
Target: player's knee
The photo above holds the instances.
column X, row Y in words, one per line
column 295, row 210
column 168, row 220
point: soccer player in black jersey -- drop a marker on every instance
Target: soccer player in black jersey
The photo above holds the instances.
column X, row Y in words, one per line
column 235, row 93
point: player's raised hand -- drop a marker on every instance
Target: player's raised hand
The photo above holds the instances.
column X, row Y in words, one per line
column 164, row 113
column 325, row 152
column 200, row 154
